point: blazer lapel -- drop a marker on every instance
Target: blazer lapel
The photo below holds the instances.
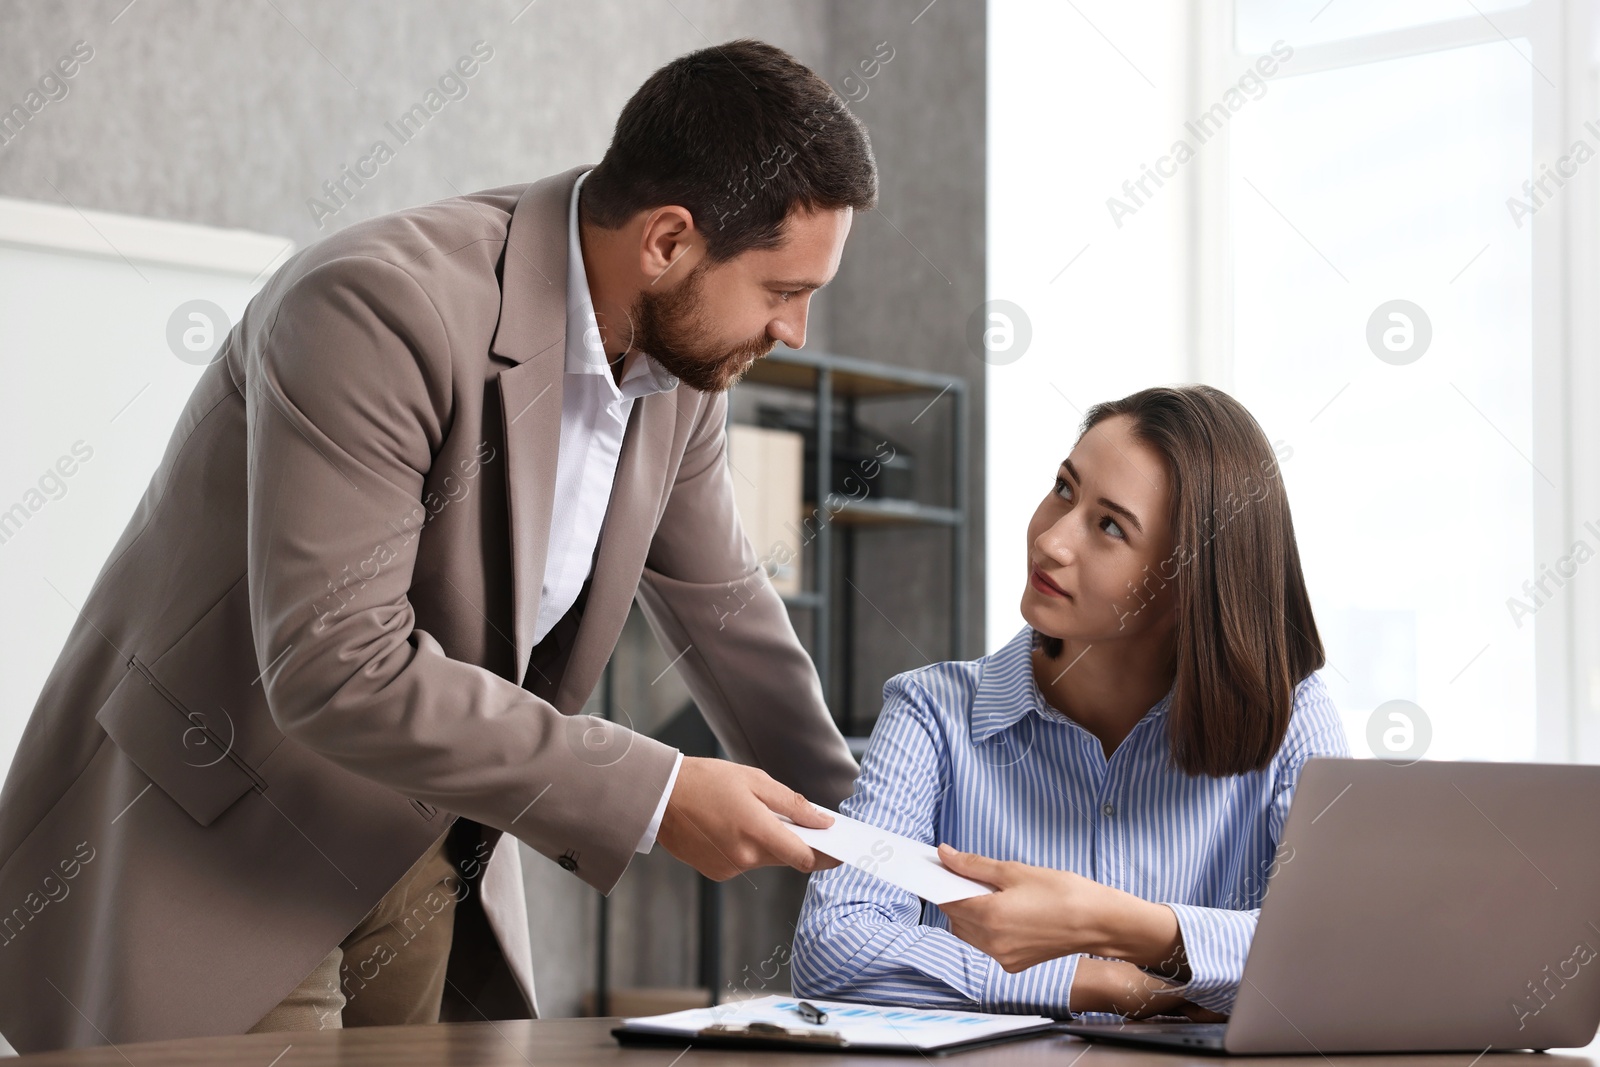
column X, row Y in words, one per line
column 532, row 334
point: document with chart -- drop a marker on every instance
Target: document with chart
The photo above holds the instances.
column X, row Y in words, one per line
column 778, row 1022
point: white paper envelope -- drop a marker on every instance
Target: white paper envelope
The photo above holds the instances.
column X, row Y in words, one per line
column 911, row 865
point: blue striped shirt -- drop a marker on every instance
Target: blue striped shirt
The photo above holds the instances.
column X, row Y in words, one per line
column 972, row 754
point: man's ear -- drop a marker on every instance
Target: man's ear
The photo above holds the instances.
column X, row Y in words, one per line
column 667, row 237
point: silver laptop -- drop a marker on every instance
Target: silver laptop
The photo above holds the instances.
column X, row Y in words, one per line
column 1431, row 907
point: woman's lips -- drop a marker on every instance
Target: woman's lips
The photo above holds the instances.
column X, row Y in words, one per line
column 1046, row 586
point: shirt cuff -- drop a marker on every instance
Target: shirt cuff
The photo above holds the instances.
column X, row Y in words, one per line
column 1043, row 989
column 1215, row 942
column 648, row 840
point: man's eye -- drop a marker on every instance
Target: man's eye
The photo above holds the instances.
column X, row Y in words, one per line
column 788, row 293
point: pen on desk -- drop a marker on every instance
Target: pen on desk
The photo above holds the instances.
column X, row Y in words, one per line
column 811, row 1013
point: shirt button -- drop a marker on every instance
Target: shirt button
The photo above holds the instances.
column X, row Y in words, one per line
column 567, row 863
column 1108, row 808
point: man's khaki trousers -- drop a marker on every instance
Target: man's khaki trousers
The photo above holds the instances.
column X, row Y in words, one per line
column 390, row 969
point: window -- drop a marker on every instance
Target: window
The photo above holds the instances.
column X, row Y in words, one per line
column 1378, row 316
column 1385, row 225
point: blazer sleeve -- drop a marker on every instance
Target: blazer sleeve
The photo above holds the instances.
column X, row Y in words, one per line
column 706, row 595
column 348, row 399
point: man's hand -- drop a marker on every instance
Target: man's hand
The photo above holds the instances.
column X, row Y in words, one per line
column 720, row 820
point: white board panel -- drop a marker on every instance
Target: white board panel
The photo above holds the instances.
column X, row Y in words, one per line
column 90, row 388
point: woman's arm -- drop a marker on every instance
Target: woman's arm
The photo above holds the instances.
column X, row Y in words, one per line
column 1192, row 952
column 860, row 938
column 1040, row 914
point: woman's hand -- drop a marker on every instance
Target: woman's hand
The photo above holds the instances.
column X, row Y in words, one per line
column 1040, row 914
column 1120, row 987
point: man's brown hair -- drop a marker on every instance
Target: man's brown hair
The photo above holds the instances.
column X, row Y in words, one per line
column 1245, row 636
column 740, row 134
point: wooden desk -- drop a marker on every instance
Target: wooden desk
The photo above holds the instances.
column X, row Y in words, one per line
column 555, row 1042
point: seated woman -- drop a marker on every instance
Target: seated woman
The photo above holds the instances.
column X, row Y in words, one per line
column 1122, row 768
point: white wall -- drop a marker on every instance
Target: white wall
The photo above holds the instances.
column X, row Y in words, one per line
column 1081, row 98
column 92, row 391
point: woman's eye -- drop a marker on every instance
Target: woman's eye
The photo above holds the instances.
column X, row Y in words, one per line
column 1063, row 484
column 1111, row 527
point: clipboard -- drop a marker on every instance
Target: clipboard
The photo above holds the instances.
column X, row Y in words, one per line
column 746, row 1035
column 857, row 1028
column 756, row 1042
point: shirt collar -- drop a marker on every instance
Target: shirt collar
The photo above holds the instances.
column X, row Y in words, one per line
column 584, row 353
column 1007, row 691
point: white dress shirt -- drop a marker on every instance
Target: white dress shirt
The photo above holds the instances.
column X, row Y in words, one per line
column 594, row 417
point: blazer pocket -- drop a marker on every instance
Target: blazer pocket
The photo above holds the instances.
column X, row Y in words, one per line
column 178, row 751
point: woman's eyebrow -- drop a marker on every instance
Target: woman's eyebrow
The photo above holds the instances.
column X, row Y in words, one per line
column 1109, row 504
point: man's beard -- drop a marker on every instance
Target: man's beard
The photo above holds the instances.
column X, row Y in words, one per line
column 670, row 327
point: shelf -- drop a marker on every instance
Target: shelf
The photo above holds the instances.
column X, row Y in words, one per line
column 890, row 512
column 785, row 368
column 838, row 388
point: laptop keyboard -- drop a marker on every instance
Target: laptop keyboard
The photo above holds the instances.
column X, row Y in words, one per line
column 1192, row 1029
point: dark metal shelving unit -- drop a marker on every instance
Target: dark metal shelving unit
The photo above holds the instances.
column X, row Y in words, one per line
column 850, row 382
column 845, row 382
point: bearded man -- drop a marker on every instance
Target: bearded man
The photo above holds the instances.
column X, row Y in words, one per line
column 332, row 671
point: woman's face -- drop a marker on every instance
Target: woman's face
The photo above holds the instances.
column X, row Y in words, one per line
column 1101, row 541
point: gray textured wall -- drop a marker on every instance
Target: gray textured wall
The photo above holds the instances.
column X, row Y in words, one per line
column 913, row 274
column 235, row 115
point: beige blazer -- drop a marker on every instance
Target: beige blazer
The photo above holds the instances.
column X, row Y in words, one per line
column 307, row 655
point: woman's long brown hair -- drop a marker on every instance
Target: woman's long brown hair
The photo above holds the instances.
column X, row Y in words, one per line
column 1245, row 636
